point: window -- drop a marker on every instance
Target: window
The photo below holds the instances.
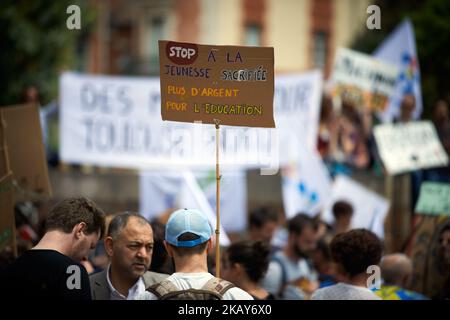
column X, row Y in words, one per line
column 320, row 49
column 252, row 35
column 156, row 34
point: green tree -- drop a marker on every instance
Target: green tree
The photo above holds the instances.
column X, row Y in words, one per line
column 36, row 45
column 431, row 21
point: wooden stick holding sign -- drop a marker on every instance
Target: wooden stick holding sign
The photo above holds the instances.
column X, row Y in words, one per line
column 218, row 176
column 220, row 85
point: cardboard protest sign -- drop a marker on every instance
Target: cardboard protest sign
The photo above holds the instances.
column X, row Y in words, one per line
column 409, row 146
column 363, row 80
column 4, row 160
column 233, row 84
column 434, row 199
column 429, row 257
column 7, row 223
column 369, row 208
column 27, row 159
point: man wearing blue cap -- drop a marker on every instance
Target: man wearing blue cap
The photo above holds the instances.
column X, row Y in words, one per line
column 188, row 241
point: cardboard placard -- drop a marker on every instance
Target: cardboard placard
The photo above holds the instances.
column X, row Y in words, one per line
column 409, row 146
column 233, row 84
column 363, row 80
column 7, row 223
column 25, row 150
column 434, row 199
column 4, row 160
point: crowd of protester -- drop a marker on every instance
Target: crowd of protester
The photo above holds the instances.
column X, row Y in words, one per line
column 125, row 257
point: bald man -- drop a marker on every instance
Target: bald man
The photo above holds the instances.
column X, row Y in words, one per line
column 396, row 271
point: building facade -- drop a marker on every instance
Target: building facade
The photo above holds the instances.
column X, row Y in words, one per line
column 304, row 33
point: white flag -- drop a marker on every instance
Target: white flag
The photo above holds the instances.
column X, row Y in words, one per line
column 192, row 196
column 160, row 191
column 400, row 49
column 306, row 185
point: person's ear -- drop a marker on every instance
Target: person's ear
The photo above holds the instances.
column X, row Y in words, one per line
column 209, row 245
column 109, row 246
column 168, row 249
column 79, row 229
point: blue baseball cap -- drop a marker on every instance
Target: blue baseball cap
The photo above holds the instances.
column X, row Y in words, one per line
column 187, row 220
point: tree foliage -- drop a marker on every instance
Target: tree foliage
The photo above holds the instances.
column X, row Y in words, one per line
column 36, row 45
column 431, row 21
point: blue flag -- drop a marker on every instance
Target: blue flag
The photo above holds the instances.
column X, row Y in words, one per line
column 400, row 49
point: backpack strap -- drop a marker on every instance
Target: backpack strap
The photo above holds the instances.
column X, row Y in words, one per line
column 162, row 288
column 218, row 285
column 283, row 283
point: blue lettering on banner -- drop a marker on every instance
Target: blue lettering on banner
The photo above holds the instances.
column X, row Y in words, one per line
column 108, row 99
column 291, row 98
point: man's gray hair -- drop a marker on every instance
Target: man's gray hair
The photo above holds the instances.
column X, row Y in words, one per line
column 395, row 267
column 120, row 221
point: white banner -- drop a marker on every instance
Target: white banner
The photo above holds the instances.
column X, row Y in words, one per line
column 116, row 121
column 191, row 196
column 409, row 146
column 369, row 208
column 297, row 110
column 233, row 196
column 158, row 192
column 162, row 191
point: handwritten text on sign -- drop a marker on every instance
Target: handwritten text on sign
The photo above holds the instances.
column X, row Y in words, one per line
column 230, row 83
column 363, row 80
column 434, row 199
column 409, row 146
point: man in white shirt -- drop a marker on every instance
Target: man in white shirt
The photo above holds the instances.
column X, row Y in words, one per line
column 129, row 244
column 353, row 252
column 188, row 240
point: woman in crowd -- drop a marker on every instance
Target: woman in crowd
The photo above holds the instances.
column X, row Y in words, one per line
column 244, row 264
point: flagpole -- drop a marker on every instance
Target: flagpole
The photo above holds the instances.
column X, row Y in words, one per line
column 218, row 176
